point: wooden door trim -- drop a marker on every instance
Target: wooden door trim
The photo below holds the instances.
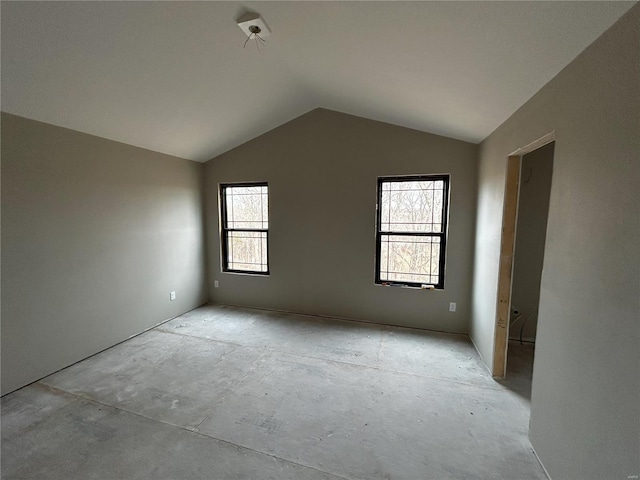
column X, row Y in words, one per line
column 507, row 248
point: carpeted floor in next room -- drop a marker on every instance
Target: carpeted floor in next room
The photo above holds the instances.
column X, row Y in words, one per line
column 227, row 393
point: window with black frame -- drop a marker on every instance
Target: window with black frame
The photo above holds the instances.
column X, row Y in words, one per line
column 244, row 209
column 411, row 232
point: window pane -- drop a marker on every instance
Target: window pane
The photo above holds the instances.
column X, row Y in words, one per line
column 247, row 207
column 438, row 196
column 247, row 251
column 405, row 258
column 411, row 206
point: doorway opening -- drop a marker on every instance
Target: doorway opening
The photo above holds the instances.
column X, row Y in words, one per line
column 526, row 210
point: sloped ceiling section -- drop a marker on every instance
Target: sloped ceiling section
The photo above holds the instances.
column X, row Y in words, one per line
column 174, row 77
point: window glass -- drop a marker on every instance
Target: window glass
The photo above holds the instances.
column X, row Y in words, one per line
column 245, row 227
column 411, row 230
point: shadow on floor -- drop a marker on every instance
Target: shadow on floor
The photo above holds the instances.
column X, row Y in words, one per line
column 519, row 368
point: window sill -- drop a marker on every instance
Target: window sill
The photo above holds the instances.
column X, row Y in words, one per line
column 427, row 288
column 251, row 274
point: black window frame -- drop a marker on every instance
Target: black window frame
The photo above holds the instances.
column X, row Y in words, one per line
column 442, row 235
column 224, row 230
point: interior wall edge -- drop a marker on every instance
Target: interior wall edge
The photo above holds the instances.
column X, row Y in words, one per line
column 589, row 289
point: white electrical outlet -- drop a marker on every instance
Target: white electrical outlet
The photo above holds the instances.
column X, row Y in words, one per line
column 215, row 284
column 172, row 296
column 452, row 307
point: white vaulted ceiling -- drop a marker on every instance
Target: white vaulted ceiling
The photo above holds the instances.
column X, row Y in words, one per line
column 173, row 76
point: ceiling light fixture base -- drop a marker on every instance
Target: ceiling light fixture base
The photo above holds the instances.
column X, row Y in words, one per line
column 251, row 23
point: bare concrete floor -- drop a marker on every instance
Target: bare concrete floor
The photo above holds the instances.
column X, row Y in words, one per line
column 519, row 368
column 230, row 393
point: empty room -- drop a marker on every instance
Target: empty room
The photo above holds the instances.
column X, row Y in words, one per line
column 320, row 240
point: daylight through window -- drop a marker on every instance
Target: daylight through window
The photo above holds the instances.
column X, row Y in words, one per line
column 411, row 230
column 245, row 227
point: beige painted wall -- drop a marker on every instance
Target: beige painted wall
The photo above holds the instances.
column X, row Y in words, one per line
column 95, row 234
column 531, row 232
column 585, row 413
column 322, row 170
